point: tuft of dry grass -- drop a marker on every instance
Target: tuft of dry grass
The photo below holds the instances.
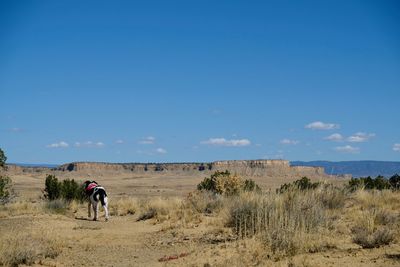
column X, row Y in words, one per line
column 372, row 238
column 28, row 247
column 287, row 223
column 59, row 206
column 124, row 206
column 374, row 228
column 161, row 209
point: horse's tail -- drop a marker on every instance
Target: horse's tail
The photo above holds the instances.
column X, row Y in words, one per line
column 102, row 196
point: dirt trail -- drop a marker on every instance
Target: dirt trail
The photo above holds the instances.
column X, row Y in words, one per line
column 122, row 241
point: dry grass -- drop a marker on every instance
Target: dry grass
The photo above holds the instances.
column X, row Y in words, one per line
column 28, row 247
column 19, row 208
column 161, row 209
column 257, row 228
column 285, row 222
column 124, row 206
column 375, row 217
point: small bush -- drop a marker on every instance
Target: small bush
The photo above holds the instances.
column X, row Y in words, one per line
column 52, row 189
column 395, row 181
column 3, row 159
column 373, row 228
column 378, row 183
column 224, row 183
column 372, row 239
column 301, row 184
column 250, row 185
column 68, row 189
column 6, row 191
column 71, row 190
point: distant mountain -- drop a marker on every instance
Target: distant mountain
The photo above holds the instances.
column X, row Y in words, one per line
column 355, row 168
column 36, row 165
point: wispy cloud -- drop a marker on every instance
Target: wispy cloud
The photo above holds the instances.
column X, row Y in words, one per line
column 161, row 150
column 336, row 137
column 396, row 147
column 149, row 140
column 60, row 144
column 89, row 144
column 224, row 142
column 319, row 125
column 289, row 142
column 119, row 141
column 16, row 130
column 347, row 149
column 360, row 137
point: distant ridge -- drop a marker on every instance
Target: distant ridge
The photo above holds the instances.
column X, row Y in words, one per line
column 355, row 168
column 36, row 165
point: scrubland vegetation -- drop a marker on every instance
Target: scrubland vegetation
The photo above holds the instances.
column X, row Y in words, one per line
column 299, row 218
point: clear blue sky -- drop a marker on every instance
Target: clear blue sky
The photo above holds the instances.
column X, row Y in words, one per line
column 166, row 81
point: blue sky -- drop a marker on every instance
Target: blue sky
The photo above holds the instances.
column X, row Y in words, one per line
column 167, row 81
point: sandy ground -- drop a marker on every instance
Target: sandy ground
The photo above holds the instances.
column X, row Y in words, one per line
column 124, row 241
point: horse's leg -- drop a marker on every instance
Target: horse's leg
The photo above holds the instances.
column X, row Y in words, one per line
column 105, row 207
column 95, row 209
column 89, row 209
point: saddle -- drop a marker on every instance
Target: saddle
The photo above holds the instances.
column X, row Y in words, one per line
column 91, row 186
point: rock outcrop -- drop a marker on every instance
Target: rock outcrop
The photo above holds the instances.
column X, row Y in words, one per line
column 241, row 167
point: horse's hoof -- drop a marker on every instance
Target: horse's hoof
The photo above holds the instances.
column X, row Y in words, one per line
column 94, row 219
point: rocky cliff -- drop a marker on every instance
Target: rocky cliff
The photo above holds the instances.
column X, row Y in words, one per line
column 241, row 167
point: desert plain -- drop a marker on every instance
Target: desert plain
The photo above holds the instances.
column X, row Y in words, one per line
column 160, row 219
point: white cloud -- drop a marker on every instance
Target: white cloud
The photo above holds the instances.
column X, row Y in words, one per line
column 119, row 141
column 161, row 150
column 149, row 140
column 347, row 149
column 318, row 125
column 99, row 144
column 289, row 142
column 360, row 137
column 224, row 142
column 396, row 147
column 16, row 130
column 61, row 144
column 336, row 137
column 89, row 144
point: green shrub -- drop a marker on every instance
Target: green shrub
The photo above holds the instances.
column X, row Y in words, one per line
column 250, row 185
column 379, row 183
column 71, row 190
column 68, row 189
column 395, row 181
column 3, row 159
column 5, row 189
column 52, row 188
column 5, row 182
column 301, row 184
